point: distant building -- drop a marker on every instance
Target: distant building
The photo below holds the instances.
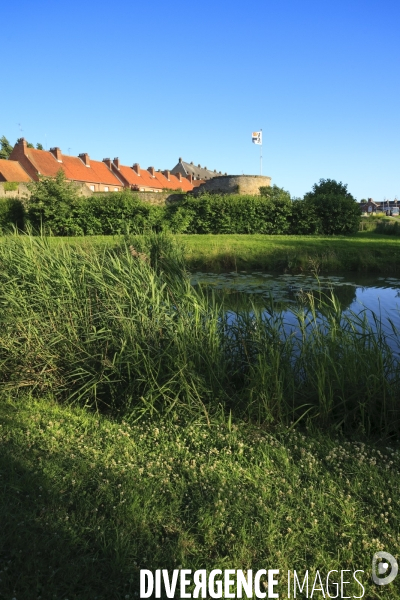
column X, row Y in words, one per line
column 386, row 206
column 81, row 169
column 26, row 164
column 197, row 172
column 148, row 180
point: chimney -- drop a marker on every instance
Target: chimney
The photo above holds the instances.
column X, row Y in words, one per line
column 152, row 171
column 117, row 163
column 180, row 160
column 215, row 170
column 166, row 174
column 107, row 161
column 199, row 166
column 190, row 177
column 85, row 159
column 179, row 176
column 22, row 142
column 56, row 153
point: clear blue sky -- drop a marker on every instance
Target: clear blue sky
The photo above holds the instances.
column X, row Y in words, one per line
column 150, row 82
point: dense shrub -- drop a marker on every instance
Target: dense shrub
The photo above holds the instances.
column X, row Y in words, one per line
column 118, row 212
column 213, row 213
column 11, row 214
column 53, row 205
column 337, row 210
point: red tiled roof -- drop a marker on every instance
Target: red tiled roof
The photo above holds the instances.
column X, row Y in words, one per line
column 158, row 182
column 73, row 167
column 11, row 170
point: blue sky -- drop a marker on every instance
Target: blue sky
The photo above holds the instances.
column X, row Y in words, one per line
column 150, row 82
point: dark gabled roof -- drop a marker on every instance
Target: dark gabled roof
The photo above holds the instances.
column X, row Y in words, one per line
column 197, row 172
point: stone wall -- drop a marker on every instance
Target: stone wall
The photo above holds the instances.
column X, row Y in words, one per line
column 234, row 184
column 21, row 192
column 159, row 198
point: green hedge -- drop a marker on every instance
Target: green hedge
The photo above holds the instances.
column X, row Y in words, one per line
column 56, row 207
column 11, row 214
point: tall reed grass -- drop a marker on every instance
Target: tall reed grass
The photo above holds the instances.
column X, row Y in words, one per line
column 123, row 331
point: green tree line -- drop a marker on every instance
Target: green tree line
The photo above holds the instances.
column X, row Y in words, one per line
column 56, row 207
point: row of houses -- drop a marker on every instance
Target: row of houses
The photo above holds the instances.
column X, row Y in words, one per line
column 390, row 207
column 28, row 164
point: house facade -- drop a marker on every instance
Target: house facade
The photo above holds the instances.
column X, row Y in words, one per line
column 81, row 169
column 26, row 164
column 148, row 180
column 390, row 207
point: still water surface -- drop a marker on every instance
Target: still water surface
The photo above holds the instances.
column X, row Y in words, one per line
column 358, row 294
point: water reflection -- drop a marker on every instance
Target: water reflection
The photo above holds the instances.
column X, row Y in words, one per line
column 376, row 299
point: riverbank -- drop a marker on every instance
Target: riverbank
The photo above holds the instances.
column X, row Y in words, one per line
column 141, row 428
column 365, row 252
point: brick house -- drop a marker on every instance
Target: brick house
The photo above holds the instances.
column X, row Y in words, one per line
column 94, row 174
column 390, row 207
column 149, row 180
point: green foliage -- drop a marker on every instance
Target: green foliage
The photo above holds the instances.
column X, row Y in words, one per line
column 5, row 147
column 10, row 186
column 39, row 147
column 125, row 331
column 336, row 208
column 214, row 213
column 118, row 212
column 53, row 205
column 304, row 219
column 11, row 214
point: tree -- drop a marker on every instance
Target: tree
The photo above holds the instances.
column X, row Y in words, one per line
column 274, row 193
column 53, row 205
column 6, row 147
column 336, row 208
column 39, row 147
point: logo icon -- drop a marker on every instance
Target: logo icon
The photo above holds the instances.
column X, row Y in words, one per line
column 381, row 568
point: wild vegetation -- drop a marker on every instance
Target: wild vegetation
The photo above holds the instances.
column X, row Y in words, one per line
column 124, row 331
column 140, row 428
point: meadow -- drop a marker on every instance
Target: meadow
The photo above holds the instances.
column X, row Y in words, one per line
column 366, row 251
column 140, row 430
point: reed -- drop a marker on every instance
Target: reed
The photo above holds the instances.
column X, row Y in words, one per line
column 123, row 331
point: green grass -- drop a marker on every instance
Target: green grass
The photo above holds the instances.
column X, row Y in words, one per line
column 86, row 501
column 365, row 252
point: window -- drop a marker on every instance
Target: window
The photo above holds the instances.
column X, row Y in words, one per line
column 92, row 188
column 115, row 189
column 106, row 189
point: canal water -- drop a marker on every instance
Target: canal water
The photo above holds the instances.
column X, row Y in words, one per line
column 375, row 298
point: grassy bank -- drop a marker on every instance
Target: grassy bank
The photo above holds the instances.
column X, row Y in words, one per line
column 140, row 428
column 86, row 501
column 366, row 252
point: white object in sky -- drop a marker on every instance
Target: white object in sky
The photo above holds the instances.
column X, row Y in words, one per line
column 256, row 137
